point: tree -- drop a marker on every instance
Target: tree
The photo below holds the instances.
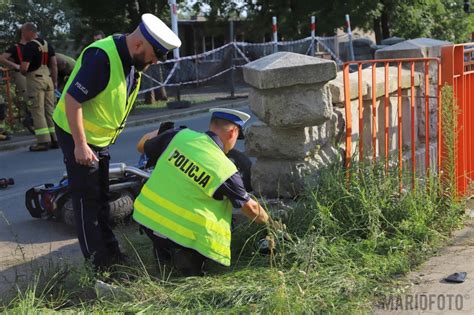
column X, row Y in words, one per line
column 442, row 19
column 54, row 18
column 120, row 16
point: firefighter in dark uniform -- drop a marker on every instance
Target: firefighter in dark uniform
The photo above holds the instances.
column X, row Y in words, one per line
column 89, row 117
column 188, row 228
column 65, row 66
column 12, row 58
column 40, row 68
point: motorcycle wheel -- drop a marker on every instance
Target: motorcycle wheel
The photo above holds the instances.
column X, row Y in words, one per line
column 120, row 205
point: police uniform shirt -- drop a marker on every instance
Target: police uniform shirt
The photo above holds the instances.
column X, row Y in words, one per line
column 13, row 52
column 32, row 54
column 232, row 188
column 93, row 76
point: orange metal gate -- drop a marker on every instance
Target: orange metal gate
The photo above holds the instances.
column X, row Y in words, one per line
column 401, row 65
column 458, row 71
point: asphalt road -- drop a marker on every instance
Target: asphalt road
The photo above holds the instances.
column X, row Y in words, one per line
column 23, row 239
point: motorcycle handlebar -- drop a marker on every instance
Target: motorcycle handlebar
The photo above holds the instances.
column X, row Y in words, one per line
column 137, row 171
column 119, row 170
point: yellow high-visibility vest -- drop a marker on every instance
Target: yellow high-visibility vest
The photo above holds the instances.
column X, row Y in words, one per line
column 104, row 115
column 177, row 202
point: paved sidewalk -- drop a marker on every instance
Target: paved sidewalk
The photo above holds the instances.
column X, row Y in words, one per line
column 139, row 117
column 429, row 293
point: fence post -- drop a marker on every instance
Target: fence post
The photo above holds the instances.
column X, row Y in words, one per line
column 349, row 32
column 232, row 54
column 313, row 31
column 275, row 34
column 174, row 27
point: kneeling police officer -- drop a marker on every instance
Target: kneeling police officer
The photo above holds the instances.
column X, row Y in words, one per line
column 185, row 207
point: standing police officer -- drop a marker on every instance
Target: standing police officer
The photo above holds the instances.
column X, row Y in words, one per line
column 89, row 117
column 12, row 58
column 39, row 66
column 186, row 204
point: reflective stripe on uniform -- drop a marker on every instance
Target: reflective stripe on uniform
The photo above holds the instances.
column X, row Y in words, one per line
column 159, row 219
column 179, row 229
column 185, row 213
column 164, row 208
column 90, row 126
column 42, row 131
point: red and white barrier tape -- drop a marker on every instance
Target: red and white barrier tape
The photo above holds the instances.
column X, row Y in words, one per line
column 237, row 46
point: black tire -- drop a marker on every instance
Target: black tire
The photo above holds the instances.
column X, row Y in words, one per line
column 120, row 204
column 244, row 165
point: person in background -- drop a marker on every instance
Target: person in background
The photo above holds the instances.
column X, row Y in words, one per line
column 98, row 36
column 12, row 58
column 65, row 66
column 40, row 68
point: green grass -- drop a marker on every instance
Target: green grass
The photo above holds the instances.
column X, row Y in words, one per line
column 140, row 104
column 339, row 249
column 195, row 100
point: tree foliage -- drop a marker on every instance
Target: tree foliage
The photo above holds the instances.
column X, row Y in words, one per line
column 78, row 19
column 120, row 16
column 441, row 19
column 54, row 18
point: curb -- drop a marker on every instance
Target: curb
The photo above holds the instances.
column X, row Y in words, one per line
column 138, row 122
column 191, row 112
column 15, row 145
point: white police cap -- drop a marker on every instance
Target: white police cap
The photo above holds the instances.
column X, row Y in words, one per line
column 158, row 34
column 235, row 116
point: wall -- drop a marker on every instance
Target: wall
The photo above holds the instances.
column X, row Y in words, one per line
column 299, row 102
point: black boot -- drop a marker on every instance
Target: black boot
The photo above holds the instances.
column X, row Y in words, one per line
column 39, row 147
column 54, row 145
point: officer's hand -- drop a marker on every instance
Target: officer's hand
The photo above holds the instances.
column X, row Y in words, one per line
column 84, row 155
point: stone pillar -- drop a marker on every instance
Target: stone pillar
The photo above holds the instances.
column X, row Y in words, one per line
column 295, row 136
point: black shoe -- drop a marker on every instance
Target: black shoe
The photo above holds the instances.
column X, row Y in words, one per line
column 120, row 259
column 4, row 137
column 53, row 145
column 116, row 256
column 39, row 147
column 188, row 262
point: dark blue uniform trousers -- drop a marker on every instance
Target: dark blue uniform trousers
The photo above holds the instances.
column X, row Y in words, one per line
column 89, row 188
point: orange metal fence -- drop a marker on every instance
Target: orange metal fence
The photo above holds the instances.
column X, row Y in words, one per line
column 458, row 71
column 401, row 65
